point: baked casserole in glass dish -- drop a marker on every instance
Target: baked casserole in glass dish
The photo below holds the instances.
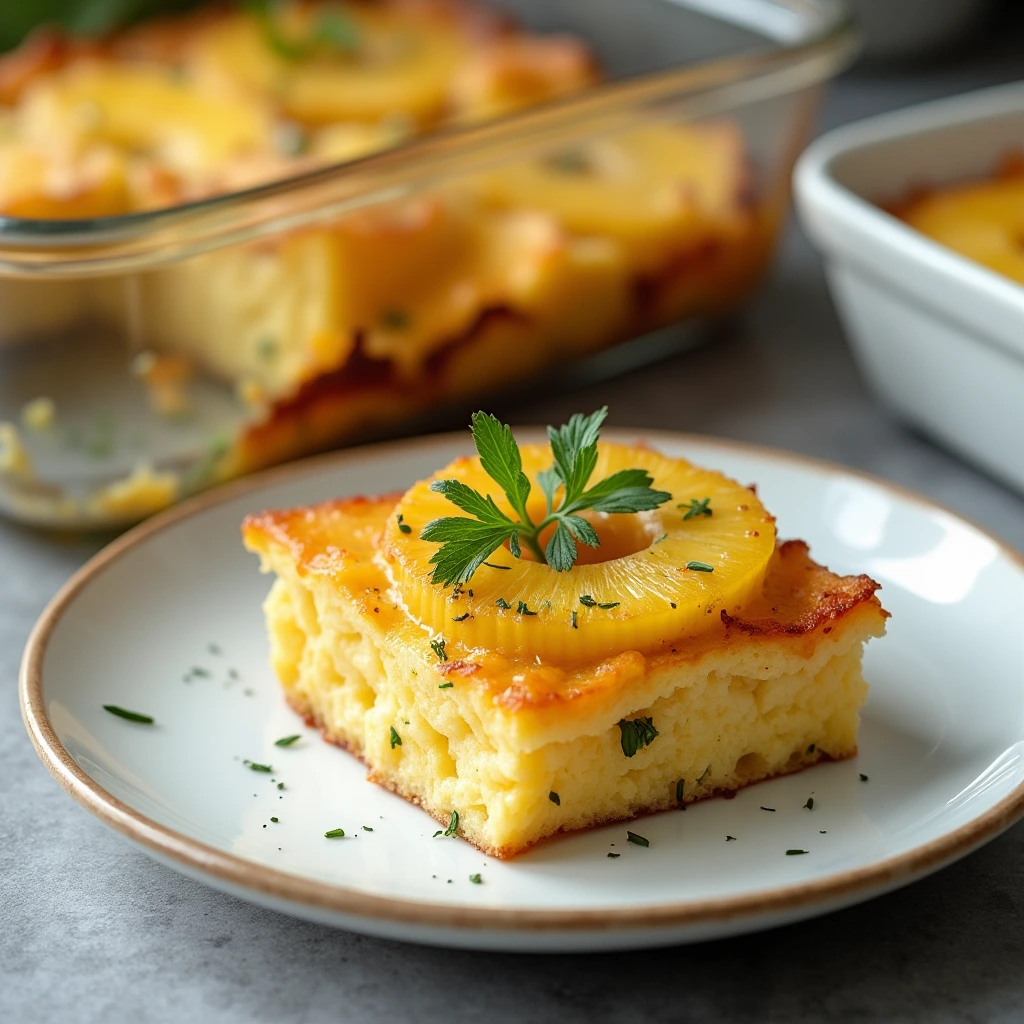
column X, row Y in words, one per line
column 248, row 232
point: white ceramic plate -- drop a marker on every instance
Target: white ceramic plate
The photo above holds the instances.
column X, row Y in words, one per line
column 941, row 742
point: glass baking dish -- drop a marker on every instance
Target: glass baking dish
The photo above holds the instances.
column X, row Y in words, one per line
column 145, row 356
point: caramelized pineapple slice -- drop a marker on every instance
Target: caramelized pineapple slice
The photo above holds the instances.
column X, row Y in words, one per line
column 337, row 62
column 654, row 190
column 657, row 576
column 143, row 110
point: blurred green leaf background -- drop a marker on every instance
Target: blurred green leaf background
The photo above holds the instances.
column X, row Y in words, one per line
column 81, row 17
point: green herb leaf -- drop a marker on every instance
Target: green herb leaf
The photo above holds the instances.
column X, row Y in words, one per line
column 810, row 803
column 863, row 777
column 610, row 854
column 335, row 833
column 575, row 621
column 396, row 740
column 696, row 507
column 460, row 618
column 255, row 766
column 366, row 828
column 275, row 820
column 437, row 646
column 453, row 825
column 523, row 609
column 635, row 734
column 467, row 543
column 476, row 879
column 636, row 840
column 554, row 798
column 587, row 600
column 796, row 853
column 131, row 716
column 772, row 809
column 810, row 749
column 503, row 604
column 402, row 526
column 679, row 790
column 700, row 567
column 445, row 686
column 287, row 741
column 730, row 839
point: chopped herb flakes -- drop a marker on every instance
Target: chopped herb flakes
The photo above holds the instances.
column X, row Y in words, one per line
column 335, row 833
column 635, row 734
column 614, row 854
column 810, row 749
column 445, row 686
column 453, row 825
column 810, row 803
column 554, row 798
column 437, row 646
column 255, row 766
column 575, row 623
column 637, row 840
column 366, row 828
column 131, row 716
column 476, row 879
column 730, row 839
column 396, row 740
column 679, row 790
column 214, row 649
column 439, row 832
column 287, row 741
column 796, row 853
column 280, row 785
column 403, row 527
column 394, row 319
column 700, row 567
column 696, row 507
column 491, row 565
column 524, row 609
column 772, row 809
column 589, row 602
column 460, row 618
column 275, row 820
column 863, row 777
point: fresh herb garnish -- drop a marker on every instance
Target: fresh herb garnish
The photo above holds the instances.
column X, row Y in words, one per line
column 636, row 840
column 476, row 879
column 554, row 798
column 396, row 740
column 589, row 602
column 255, row 766
column 445, row 686
column 131, row 716
column 772, row 809
column 453, row 825
column 700, row 567
column 437, row 646
column 466, row 543
column 439, row 832
column 614, row 854
column 287, row 741
column 524, row 609
column 810, row 749
column 810, row 803
column 335, row 833
column 696, row 507
column 280, row 785
column 679, row 790
column 636, row 733
column 863, row 777
column 460, row 618
column 366, row 828
column 575, row 622
column 403, row 526
column 730, row 839
column 503, row 604
column 274, row 820
column 491, row 565
column 796, row 853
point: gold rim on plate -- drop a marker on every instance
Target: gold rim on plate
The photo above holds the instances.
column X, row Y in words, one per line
column 196, row 857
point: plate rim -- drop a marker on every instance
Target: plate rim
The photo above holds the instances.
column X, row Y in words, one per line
column 193, row 856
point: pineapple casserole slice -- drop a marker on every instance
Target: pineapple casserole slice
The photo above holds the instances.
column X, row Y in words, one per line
column 606, row 632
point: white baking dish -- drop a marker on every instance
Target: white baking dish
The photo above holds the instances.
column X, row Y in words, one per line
column 939, row 338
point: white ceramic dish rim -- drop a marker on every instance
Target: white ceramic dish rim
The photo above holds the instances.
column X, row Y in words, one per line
column 935, row 274
column 320, row 900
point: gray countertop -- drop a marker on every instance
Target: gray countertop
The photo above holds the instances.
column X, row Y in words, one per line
column 91, row 929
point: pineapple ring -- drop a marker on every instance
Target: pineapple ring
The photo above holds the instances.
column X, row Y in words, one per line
column 656, row 598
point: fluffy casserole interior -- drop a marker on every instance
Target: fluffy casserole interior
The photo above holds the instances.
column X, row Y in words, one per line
column 495, row 739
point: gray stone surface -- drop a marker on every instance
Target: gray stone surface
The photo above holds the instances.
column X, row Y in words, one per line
column 91, row 929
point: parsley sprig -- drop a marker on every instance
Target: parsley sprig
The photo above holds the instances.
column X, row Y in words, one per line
column 466, row 543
